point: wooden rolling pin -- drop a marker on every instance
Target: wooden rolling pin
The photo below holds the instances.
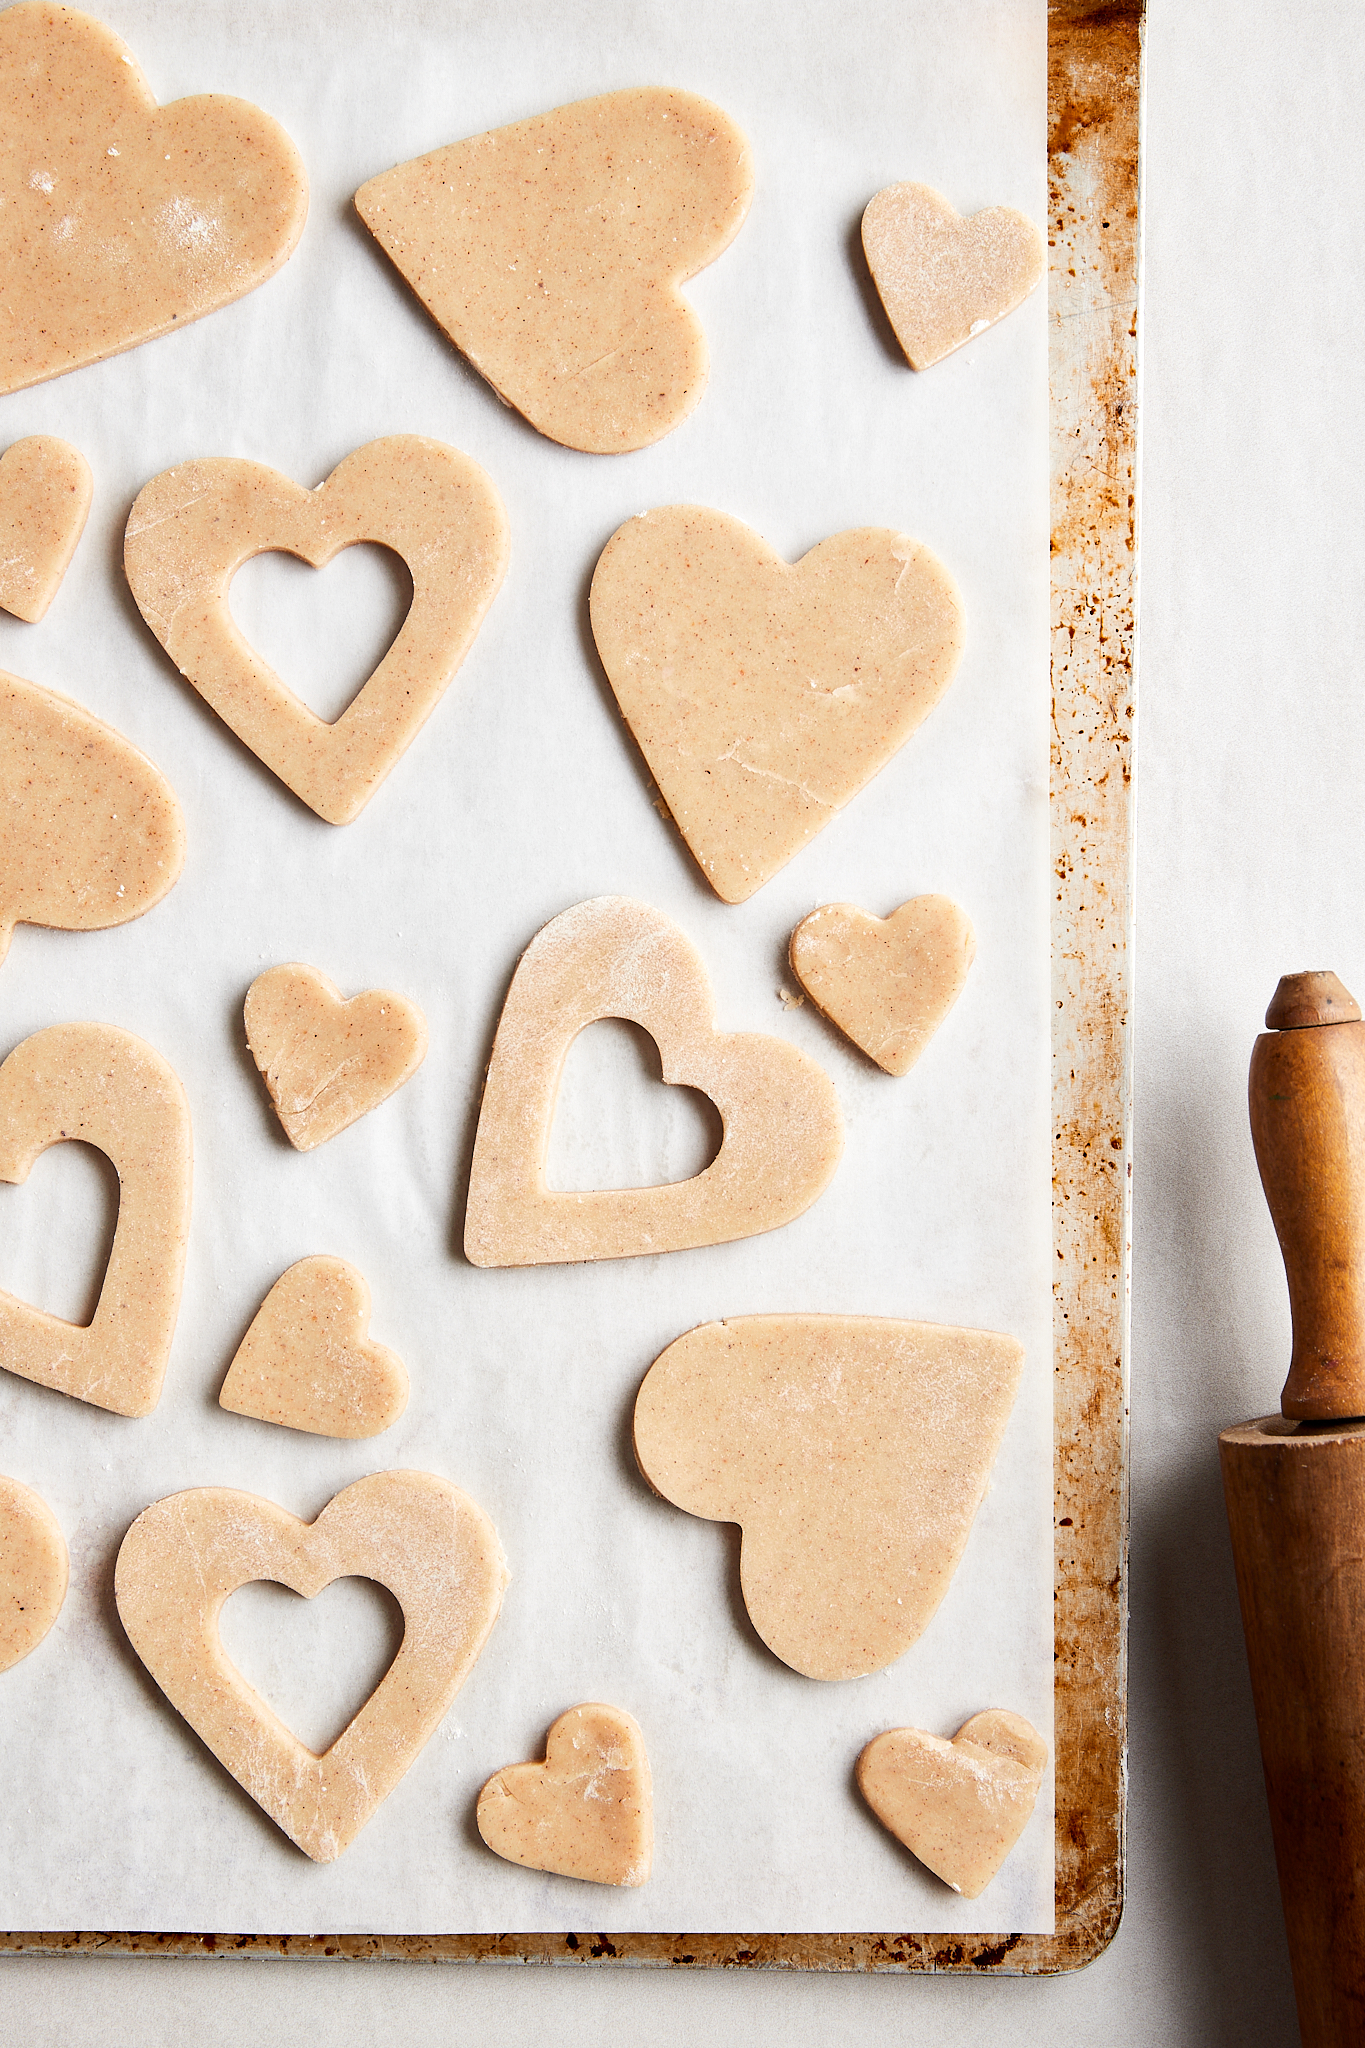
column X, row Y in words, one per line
column 1295, row 1490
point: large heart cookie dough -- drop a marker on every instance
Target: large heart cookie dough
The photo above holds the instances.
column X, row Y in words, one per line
column 587, row 1811
column 428, row 1543
column 45, row 490
column 853, row 1451
column 91, row 834
column 611, row 957
column 763, row 694
column 307, row 1362
column 551, row 253
column 326, row 1062
column 103, row 1087
column 120, row 219
column 942, row 279
column 959, row 1806
column 33, row 1571
column 888, row 983
column 191, row 529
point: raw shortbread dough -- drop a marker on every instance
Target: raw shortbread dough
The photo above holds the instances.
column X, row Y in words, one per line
column 942, row 279
column 853, row 1451
column 959, row 1806
column 91, row 834
column 307, row 1361
column 587, row 1811
column 120, row 219
column 101, row 1086
column 552, row 252
column 611, row 957
column 191, row 529
column 764, row 694
column 888, row 983
column 419, row 1536
column 33, row 1571
column 326, row 1062
column 45, row 491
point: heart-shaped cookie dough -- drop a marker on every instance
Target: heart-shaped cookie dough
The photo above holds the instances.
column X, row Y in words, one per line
column 33, row 1571
column 91, row 834
column 325, row 1062
column 120, row 219
column 763, row 695
column 888, row 983
column 854, row 1452
column 45, row 489
column 587, row 1811
column 959, row 1806
column 551, row 252
column 611, row 957
column 191, row 529
column 307, row 1361
column 103, row 1087
column 428, row 1543
column 942, row 279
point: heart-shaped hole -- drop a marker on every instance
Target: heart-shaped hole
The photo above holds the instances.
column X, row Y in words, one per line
column 323, row 631
column 316, row 1661
column 616, row 1125
column 56, row 1249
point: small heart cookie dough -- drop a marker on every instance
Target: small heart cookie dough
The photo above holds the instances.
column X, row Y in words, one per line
column 764, row 694
column 552, row 253
column 611, row 957
column 587, row 1811
column 887, row 983
column 325, row 1062
column 45, row 491
column 959, row 1806
column 417, row 1535
column 33, row 1570
column 307, row 1361
column 121, row 220
column 942, row 279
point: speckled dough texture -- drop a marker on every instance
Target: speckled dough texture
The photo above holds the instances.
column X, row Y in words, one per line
column 587, row 1811
column 33, row 1570
column 887, row 983
column 853, row 1451
column 960, row 1806
column 416, row 1534
column 551, row 253
column 45, row 490
column 764, row 694
column 611, row 957
column 942, row 279
column 307, row 1361
column 326, row 1062
column 191, row 529
column 119, row 219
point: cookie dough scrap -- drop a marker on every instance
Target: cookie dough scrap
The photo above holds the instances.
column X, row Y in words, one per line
column 942, row 279
column 307, row 1361
column 191, row 529
column 91, row 834
column 552, row 253
column 958, row 1806
column 120, row 219
column 853, row 1451
column 102, row 1086
column 887, row 983
column 587, row 1811
column 416, row 1534
column 764, row 694
column 45, row 492
column 611, row 957
column 325, row 1062
column 33, row 1570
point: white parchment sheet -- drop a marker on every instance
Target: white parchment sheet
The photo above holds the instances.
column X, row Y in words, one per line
column 524, row 794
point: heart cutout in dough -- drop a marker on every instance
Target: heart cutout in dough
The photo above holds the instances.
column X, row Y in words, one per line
column 307, row 1362
column 942, row 279
column 428, row 1543
column 552, row 253
column 33, row 1570
column 325, row 1062
column 853, row 1451
column 587, row 1811
column 91, row 834
column 45, row 490
column 887, row 983
column 191, row 529
column 101, row 1086
column 959, row 1806
column 611, row 957
column 122, row 219
column 764, row 694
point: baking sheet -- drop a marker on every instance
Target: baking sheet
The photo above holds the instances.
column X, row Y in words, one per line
column 521, row 796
